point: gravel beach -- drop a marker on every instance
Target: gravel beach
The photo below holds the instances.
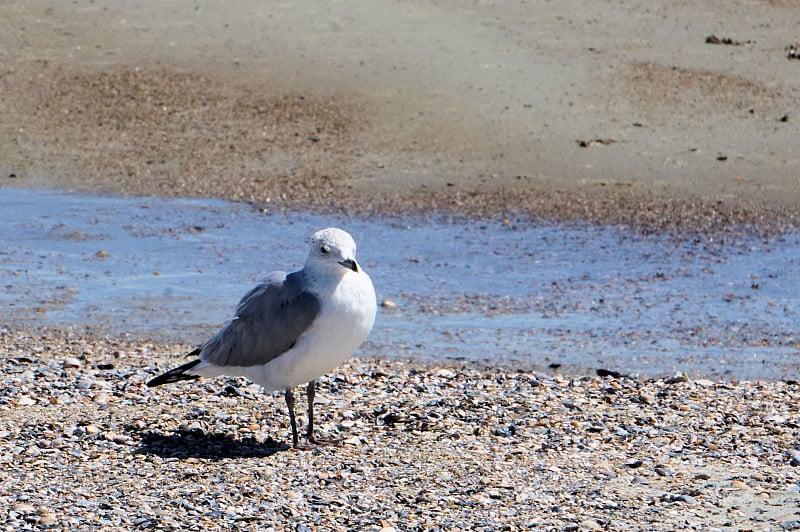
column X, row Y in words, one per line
column 85, row 445
column 614, row 113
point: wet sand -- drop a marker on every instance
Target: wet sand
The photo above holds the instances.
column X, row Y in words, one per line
column 611, row 112
column 528, row 296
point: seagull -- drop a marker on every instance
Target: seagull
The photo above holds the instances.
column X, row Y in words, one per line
column 292, row 328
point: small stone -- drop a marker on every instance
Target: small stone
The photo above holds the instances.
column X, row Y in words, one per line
column 677, row 379
column 794, row 458
column 445, row 374
column 23, row 508
column 92, row 429
column 101, row 398
column 117, row 438
column 388, row 303
column 790, row 524
column 71, row 362
column 646, row 398
column 84, row 384
column 738, row 484
column 591, row 524
column 26, row 401
column 688, row 499
column 47, row 520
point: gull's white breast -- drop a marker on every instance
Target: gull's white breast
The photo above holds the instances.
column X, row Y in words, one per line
column 345, row 319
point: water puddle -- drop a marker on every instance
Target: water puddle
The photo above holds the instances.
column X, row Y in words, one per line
column 530, row 296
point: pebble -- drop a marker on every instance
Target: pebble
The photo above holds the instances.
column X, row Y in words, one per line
column 101, row 398
column 26, row 401
column 590, row 524
column 646, row 398
column 794, row 457
column 791, row 524
column 23, row 508
column 71, row 362
column 47, row 521
column 688, row 499
column 677, row 379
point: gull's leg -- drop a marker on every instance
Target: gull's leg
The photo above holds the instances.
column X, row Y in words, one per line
column 290, row 403
column 310, row 392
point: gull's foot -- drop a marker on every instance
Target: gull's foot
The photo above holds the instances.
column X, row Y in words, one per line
column 304, row 446
column 324, row 442
column 312, row 443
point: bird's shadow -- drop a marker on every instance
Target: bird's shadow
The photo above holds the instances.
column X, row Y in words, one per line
column 196, row 443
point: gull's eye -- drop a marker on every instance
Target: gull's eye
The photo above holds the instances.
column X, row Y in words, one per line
column 323, row 250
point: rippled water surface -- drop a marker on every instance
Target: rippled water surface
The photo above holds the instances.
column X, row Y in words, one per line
column 519, row 295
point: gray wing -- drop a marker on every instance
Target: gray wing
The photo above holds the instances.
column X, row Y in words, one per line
column 269, row 320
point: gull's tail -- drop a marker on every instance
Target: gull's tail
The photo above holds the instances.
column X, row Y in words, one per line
column 177, row 374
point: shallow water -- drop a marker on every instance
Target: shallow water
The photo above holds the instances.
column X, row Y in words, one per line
column 530, row 295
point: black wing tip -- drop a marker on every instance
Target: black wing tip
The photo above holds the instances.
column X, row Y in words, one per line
column 195, row 353
column 175, row 375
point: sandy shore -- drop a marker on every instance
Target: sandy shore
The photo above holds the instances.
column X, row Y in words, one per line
column 613, row 112
column 418, row 447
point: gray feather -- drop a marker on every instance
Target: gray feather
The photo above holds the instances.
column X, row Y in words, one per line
column 269, row 320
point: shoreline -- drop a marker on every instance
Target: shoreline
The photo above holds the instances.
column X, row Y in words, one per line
column 581, row 297
column 646, row 214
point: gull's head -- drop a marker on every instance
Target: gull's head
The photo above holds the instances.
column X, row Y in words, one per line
column 334, row 250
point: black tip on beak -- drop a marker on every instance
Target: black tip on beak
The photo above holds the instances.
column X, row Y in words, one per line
column 350, row 264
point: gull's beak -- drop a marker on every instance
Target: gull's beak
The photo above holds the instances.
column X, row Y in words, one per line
column 350, row 264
